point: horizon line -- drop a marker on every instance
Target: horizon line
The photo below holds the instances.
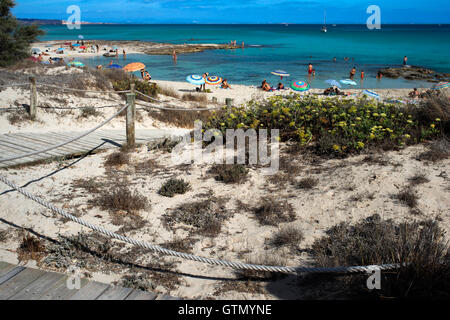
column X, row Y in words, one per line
column 238, row 23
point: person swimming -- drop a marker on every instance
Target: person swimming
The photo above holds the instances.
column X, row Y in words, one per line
column 310, row 69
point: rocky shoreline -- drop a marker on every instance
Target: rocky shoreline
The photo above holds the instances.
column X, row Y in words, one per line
column 415, row 73
column 155, row 48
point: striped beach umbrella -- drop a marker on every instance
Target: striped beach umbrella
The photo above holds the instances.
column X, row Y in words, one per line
column 195, row 79
column 371, row 94
column 135, row 66
column 333, row 83
column 76, row 64
column 349, row 82
column 300, row 86
column 441, row 85
column 213, row 80
column 280, row 73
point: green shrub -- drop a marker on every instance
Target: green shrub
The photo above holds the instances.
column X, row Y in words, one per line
column 336, row 127
column 229, row 173
column 144, row 87
column 419, row 247
column 174, row 186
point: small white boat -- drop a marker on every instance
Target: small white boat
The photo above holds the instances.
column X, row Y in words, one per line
column 324, row 28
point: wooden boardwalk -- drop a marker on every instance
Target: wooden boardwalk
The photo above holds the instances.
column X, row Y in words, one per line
column 20, row 283
column 16, row 144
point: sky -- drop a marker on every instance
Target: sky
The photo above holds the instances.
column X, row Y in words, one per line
column 238, row 11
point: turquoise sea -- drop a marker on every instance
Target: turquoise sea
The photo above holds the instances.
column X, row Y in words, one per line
column 286, row 47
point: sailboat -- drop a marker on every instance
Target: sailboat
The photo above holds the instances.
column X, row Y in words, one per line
column 324, row 28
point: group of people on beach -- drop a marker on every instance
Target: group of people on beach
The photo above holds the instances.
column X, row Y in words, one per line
column 265, row 86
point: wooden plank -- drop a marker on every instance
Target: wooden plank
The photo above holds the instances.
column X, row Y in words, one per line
column 141, row 295
column 166, row 297
column 11, row 273
column 38, row 287
column 5, row 268
column 16, row 151
column 60, row 291
column 81, row 145
column 115, row 293
column 41, row 141
column 91, row 291
column 18, row 282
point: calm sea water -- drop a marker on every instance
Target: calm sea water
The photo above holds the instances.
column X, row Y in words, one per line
column 271, row 47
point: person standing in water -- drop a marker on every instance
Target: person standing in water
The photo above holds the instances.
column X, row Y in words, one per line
column 352, row 73
column 405, row 60
column 310, row 70
column 124, row 55
column 174, row 56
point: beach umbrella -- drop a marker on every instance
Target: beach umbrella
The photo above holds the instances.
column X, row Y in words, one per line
column 213, row 80
column 349, row 82
column 36, row 50
column 76, row 64
column 135, row 66
column 333, row 83
column 441, row 85
column 280, row 73
column 300, row 86
column 195, row 79
column 114, row 66
column 76, row 45
column 60, row 49
column 371, row 94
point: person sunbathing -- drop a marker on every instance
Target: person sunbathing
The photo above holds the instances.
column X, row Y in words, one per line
column 329, row 91
column 414, row 94
column 265, row 86
column 280, row 86
column 225, row 84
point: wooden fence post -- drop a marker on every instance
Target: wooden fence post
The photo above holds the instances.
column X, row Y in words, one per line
column 131, row 115
column 33, row 98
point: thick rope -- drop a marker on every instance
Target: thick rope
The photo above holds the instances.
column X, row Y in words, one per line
column 216, row 262
column 79, row 90
column 14, row 85
column 175, row 108
column 66, row 142
column 75, row 108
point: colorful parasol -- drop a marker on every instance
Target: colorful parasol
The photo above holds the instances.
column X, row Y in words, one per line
column 195, row 79
column 280, row 73
column 135, row 66
column 441, row 85
column 300, row 86
column 371, row 94
column 333, row 83
column 213, row 80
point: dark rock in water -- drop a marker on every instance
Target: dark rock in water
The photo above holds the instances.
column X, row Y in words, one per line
column 414, row 73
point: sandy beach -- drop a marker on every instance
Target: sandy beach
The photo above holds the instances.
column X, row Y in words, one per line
column 347, row 190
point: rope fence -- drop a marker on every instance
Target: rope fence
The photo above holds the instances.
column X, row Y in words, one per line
column 175, row 108
column 210, row 261
column 65, row 142
column 130, row 116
